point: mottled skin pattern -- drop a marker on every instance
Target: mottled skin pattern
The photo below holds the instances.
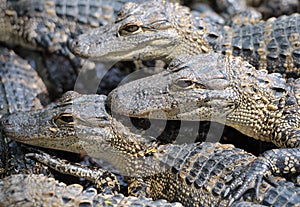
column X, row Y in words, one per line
column 164, row 31
column 21, row 89
column 38, row 190
column 13, row 160
column 39, row 30
column 193, row 174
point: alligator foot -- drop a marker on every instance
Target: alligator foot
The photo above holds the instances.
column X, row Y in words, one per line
column 139, row 187
column 104, row 180
column 251, row 177
column 276, row 161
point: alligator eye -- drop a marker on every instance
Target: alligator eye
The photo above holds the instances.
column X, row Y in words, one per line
column 129, row 29
column 184, row 83
column 63, row 119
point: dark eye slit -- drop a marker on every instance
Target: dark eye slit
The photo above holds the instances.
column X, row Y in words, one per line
column 183, row 83
column 131, row 28
column 67, row 118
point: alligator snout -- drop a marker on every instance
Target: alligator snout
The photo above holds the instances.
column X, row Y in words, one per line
column 78, row 47
column 4, row 121
column 18, row 126
column 6, row 124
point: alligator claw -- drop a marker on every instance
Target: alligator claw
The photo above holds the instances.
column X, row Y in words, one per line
column 251, row 177
column 270, row 178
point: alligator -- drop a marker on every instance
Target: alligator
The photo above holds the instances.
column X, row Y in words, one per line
column 156, row 30
column 21, row 89
column 104, row 180
column 196, row 174
column 39, row 190
column 45, row 26
column 13, row 160
column 220, row 88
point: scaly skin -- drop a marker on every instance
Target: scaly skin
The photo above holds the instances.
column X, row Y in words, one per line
column 218, row 88
column 193, row 174
column 47, row 24
column 38, row 190
column 105, row 181
column 143, row 31
column 15, row 93
column 226, row 12
column 275, row 7
column 13, row 161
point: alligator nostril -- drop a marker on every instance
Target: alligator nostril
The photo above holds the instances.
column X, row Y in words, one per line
column 8, row 121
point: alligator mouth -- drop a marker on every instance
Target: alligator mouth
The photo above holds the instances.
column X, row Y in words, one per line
column 55, row 143
column 29, row 139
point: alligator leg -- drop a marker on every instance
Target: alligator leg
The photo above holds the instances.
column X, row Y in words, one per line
column 276, row 161
column 287, row 133
column 139, row 187
column 105, row 181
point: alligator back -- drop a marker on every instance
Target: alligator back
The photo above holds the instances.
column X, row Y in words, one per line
column 21, row 89
column 199, row 171
column 273, row 44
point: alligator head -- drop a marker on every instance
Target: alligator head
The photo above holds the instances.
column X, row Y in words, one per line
column 141, row 31
column 186, row 91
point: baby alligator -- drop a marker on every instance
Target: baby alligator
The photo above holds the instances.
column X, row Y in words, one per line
column 218, row 88
column 193, row 174
column 156, row 30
